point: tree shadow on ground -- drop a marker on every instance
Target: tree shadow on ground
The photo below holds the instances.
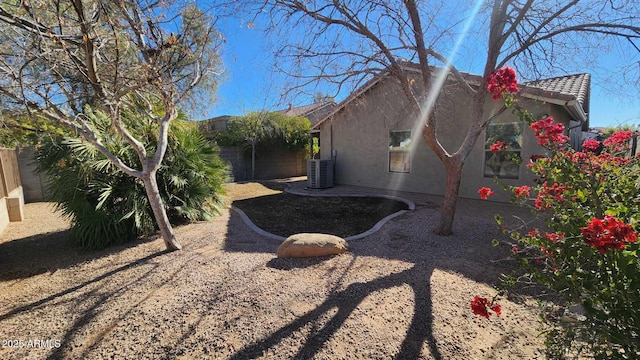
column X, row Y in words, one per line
column 48, row 253
column 470, row 256
column 33, row 305
column 396, row 241
column 296, row 263
column 346, row 301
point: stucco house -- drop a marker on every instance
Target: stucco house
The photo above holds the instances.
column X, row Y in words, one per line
column 376, row 142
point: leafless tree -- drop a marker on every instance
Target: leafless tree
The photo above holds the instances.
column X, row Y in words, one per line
column 345, row 42
column 61, row 58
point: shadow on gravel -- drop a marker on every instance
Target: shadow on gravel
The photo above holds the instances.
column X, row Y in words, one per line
column 346, row 301
column 33, row 305
column 472, row 256
column 299, row 263
column 48, row 253
column 98, row 298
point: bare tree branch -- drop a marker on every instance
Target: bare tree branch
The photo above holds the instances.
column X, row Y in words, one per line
column 68, row 60
column 345, row 42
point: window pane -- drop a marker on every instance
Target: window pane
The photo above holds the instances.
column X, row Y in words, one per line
column 399, row 151
column 511, row 134
column 399, row 161
column 503, row 165
column 399, row 139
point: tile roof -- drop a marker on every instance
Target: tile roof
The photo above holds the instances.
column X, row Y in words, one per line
column 574, row 85
column 313, row 111
column 561, row 88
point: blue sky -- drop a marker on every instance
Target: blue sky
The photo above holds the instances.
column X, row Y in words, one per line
column 250, row 84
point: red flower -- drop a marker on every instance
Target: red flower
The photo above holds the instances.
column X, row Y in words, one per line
column 579, row 157
column 549, row 133
column 498, row 146
column 514, row 249
column 554, row 237
column 546, row 252
column 481, row 306
column 501, row 81
column 548, row 194
column 485, row 192
column 496, row 309
column 608, row 233
column 591, row 145
column 617, row 140
column 522, row 191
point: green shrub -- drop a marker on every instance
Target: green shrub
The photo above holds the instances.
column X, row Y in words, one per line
column 108, row 207
column 587, row 255
column 269, row 130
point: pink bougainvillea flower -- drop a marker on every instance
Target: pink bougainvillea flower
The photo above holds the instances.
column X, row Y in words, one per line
column 522, row 191
column 480, row 306
column 591, row 145
column 485, row 192
column 608, row 233
column 496, row 309
column 554, row 237
column 550, row 193
column 549, row 133
column 617, row 140
column 498, row 146
column 579, row 157
column 502, row 81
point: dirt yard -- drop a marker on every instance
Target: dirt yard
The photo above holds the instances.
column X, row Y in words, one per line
column 400, row 293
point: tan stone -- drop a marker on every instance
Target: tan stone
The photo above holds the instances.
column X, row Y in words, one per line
column 311, row 245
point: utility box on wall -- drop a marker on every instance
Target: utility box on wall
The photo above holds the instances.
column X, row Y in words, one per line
column 319, row 174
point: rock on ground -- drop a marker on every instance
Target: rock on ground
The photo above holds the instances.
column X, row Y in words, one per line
column 312, row 245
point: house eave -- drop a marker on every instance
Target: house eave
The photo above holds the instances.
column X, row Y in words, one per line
column 569, row 103
column 346, row 101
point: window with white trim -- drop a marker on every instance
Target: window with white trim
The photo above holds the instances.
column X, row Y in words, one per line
column 503, row 164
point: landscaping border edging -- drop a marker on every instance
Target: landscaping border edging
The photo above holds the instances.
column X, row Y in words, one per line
column 373, row 229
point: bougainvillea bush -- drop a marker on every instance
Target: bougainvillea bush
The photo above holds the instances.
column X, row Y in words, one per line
column 587, row 254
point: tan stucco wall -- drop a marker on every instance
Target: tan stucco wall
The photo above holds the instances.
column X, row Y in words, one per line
column 359, row 135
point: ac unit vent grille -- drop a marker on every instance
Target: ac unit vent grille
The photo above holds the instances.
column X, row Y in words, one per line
column 319, row 174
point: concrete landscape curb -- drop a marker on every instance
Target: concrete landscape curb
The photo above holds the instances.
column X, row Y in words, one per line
column 374, row 229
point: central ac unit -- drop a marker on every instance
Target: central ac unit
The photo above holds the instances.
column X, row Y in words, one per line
column 319, row 174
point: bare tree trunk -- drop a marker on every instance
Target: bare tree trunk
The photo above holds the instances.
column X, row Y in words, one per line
column 253, row 160
column 159, row 212
column 448, row 211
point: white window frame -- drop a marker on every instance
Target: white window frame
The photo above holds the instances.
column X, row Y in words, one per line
column 504, row 164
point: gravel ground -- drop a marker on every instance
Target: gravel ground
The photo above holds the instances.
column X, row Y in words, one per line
column 400, row 293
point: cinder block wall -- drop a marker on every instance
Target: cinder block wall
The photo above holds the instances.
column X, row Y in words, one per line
column 270, row 164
